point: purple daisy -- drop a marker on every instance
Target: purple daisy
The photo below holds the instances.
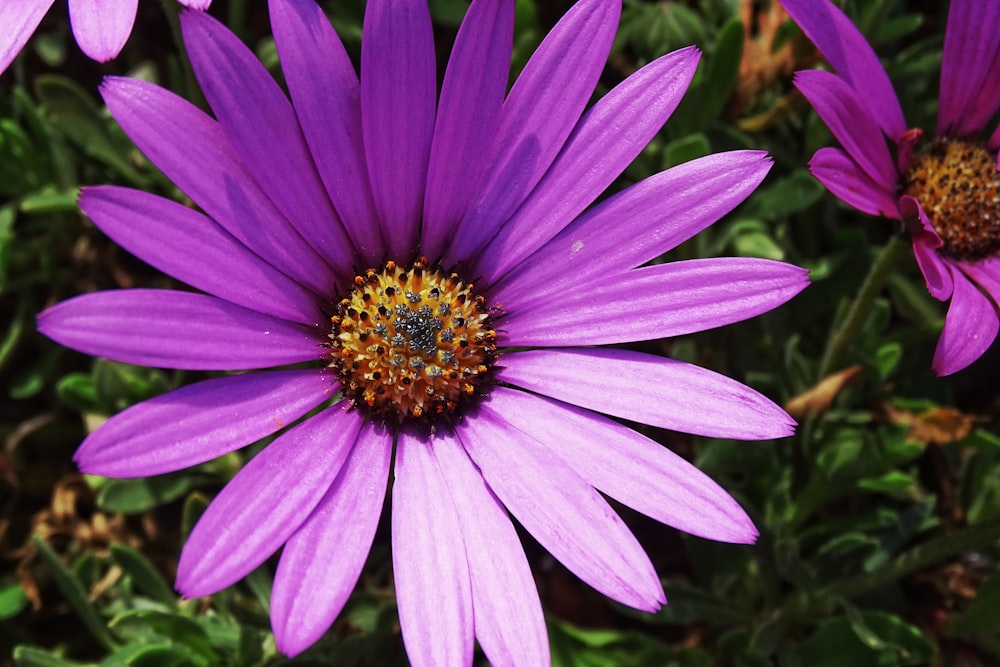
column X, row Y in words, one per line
column 482, row 397
column 948, row 193
column 101, row 27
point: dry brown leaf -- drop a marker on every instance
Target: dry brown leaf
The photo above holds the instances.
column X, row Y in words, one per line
column 938, row 426
column 818, row 398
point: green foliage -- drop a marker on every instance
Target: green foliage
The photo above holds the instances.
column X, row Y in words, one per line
column 879, row 520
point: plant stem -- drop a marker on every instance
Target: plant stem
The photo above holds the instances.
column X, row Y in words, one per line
column 860, row 309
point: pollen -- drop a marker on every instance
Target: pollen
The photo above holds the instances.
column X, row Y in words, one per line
column 412, row 344
column 958, row 186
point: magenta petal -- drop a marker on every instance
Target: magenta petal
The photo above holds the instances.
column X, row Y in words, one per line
column 848, row 51
column 192, row 151
column 607, row 139
column 266, row 502
column 473, row 90
column 100, row 27
column 661, row 301
column 542, row 109
column 969, row 328
column 850, row 120
column 509, row 622
column 655, row 215
column 986, row 274
column 678, row 396
column 200, row 422
column 428, row 560
column 19, row 20
column 937, row 275
column 262, row 127
column 561, row 510
column 398, row 94
column 196, row 4
column 848, row 182
column 169, row 329
column 629, row 467
column 322, row 561
column 194, row 249
column 970, row 69
column 327, row 97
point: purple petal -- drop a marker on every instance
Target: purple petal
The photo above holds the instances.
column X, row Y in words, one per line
column 851, row 122
column 655, row 215
column 843, row 45
column 659, row 301
column 196, row 4
column 508, row 614
column 675, row 395
column 561, row 510
column 101, row 28
column 986, row 274
column 848, row 182
column 169, row 329
column 398, row 91
column 200, row 422
column 994, row 143
column 261, row 125
column 969, row 328
column 327, row 97
column 428, row 560
column 970, row 68
column 606, row 140
column 935, row 269
column 629, row 467
column 322, row 561
column 473, row 90
column 260, row 508
column 19, row 19
column 192, row 151
column 194, row 249
column 542, row 109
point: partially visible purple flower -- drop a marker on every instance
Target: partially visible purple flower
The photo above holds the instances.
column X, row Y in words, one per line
column 101, row 27
column 948, row 193
column 482, row 399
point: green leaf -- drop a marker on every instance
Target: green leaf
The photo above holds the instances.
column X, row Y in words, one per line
column 77, row 390
column 184, row 635
column 723, row 69
column 792, row 194
column 133, row 496
column 895, row 483
column 27, row 656
column 75, row 594
column 573, row 647
column 12, row 600
column 690, row 604
column 872, row 638
column 74, row 113
column 144, row 574
column 686, row 149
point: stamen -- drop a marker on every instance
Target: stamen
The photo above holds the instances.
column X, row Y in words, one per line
column 958, row 186
column 401, row 342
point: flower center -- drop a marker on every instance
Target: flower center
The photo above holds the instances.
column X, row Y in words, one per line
column 958, row 186
column 412, row 344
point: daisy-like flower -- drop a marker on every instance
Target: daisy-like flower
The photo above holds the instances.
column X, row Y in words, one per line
column 101, row 27
column 463, row 359
column 948, row 192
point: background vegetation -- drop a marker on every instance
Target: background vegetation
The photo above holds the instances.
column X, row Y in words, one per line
column 879, row 520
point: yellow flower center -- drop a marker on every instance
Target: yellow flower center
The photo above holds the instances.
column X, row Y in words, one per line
column 412, row 344
column 958, row 186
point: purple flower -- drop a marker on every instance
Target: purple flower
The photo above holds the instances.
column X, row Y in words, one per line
column 948, row 193
column 489, row 393
column 101, row 27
